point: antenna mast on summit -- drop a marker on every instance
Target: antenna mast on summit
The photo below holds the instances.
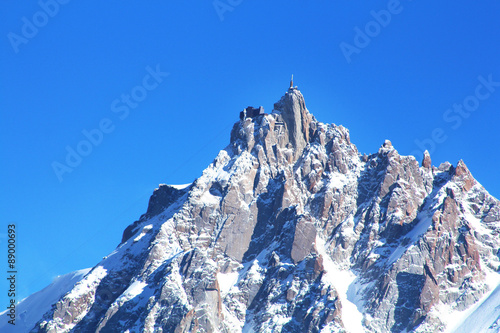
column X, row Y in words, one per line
column 291, row 82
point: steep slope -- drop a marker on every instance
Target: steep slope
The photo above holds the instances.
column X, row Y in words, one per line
column 32, row 308
column 290, row 229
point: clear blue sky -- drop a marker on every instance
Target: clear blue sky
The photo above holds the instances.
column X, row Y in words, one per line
column 72, row 73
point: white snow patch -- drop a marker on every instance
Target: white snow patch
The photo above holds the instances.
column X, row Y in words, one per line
column 475, row 223
column 227, row 281
column 144, row 231
column 135, row 289
column 209, row 199
column 411, row 238
column 89, row 282
column 419, row 229
column 132, row 291
column 221, row 169
column 333, row 327
column 180, row 187
column 278, row 319
column 342, row 280
column 348, row 227
column 337, row 181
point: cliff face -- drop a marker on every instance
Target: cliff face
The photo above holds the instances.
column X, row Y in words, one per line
column 290, row 229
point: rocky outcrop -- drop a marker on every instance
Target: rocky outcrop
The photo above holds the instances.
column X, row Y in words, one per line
column 162, row 198
column 463, row 177
column 297, row 119
column 426, row 162
column 291, row 229
column 303, row 241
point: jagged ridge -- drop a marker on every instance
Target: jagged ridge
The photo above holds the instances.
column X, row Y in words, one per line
column 291, row 229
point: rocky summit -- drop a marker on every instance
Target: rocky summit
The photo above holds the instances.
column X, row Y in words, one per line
column 291, row 229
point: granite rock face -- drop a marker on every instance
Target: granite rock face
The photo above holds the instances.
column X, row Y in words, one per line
column 291, row 229
column 297, row 119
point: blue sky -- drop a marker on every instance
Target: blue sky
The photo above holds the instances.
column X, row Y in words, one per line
column 158, row 86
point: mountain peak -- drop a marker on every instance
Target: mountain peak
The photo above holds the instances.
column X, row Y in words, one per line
column 426, row 161
column 290, row 229
column 296, row 117
column 463, row 176
column 290, row 120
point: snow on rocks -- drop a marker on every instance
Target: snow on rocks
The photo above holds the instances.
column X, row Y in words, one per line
column 291, row 229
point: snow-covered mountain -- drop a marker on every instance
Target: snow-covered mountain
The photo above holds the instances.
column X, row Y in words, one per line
column 291, row 229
